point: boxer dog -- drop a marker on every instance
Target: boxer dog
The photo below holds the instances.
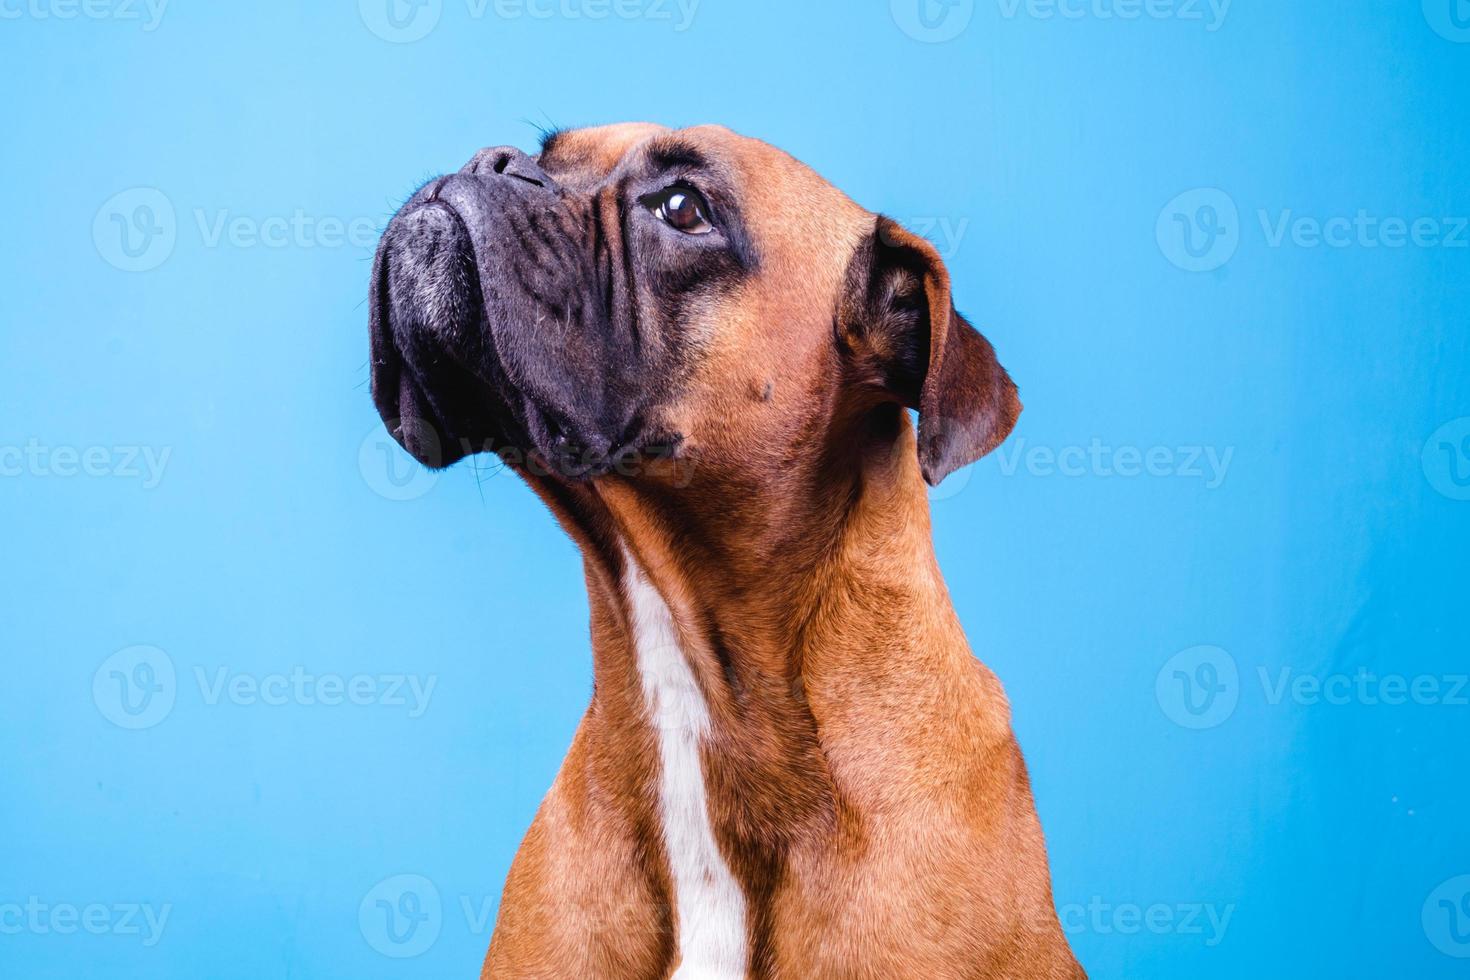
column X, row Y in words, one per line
column 702, row 357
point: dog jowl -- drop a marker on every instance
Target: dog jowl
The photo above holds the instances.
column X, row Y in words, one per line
column 702, row 356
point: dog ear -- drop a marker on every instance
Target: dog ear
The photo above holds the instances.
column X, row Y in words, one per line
column 898, row 318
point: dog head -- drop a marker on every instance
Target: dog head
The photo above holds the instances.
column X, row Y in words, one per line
column 635, row 302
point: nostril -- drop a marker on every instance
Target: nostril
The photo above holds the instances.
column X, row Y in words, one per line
column 502, row 166
column 507, row 161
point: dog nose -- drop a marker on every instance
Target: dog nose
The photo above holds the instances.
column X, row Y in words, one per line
column 509, row 162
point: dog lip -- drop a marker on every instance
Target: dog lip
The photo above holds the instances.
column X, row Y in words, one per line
column 436, row 203
column 400, row 395
column 406, row 410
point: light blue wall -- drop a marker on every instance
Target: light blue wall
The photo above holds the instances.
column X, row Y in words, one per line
column 192, row 464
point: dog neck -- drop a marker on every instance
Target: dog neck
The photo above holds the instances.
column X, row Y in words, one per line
column 750, row 659
column 774, row 589
column 778, row 602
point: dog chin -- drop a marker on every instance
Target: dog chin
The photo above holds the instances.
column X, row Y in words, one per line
column 422, row 416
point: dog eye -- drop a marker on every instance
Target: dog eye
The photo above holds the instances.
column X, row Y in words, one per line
column 681, row 207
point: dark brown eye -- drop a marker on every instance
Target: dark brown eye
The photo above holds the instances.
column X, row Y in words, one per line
column 681, row 207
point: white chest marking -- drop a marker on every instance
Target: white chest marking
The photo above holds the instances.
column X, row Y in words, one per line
column 710, row 904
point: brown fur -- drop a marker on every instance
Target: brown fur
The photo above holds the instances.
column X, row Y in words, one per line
column 864, row 783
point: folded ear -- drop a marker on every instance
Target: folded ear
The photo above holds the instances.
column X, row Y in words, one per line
column 898, row 317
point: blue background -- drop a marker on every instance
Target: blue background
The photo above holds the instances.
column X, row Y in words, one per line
column 282, row 534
